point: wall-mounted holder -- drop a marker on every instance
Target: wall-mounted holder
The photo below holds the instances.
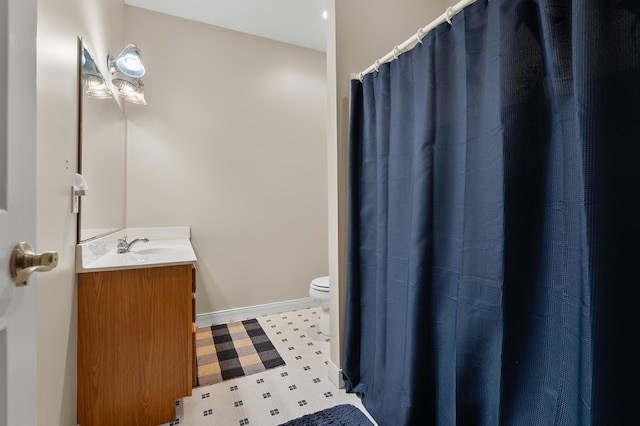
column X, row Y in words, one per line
column 78, row 189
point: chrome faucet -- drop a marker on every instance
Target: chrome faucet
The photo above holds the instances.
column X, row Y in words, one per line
column 125, row 247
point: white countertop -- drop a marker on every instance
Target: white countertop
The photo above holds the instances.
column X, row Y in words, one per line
column 166, row 246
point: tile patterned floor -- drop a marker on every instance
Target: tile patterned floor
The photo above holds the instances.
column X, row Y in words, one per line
column 277, row 395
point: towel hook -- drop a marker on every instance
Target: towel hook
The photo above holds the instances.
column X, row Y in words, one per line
column 448, row 15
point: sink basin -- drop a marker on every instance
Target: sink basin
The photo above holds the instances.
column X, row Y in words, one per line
column 153, row 250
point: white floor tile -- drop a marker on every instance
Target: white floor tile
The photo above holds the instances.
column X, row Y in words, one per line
column 277, row 395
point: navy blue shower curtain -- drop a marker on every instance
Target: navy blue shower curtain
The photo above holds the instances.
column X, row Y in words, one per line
column 494, row 221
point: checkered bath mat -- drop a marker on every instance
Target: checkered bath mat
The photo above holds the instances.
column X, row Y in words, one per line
column 231, row 350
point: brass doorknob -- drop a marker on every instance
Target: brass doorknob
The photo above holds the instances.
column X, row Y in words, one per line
column 24, row 262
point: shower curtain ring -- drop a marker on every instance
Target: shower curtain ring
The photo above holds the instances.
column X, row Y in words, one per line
column 419, row 35
column 360, row 76
column 395, row 52
column 448, row 16
column 376, row 65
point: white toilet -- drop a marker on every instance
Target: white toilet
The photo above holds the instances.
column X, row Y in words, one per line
column 319, row 293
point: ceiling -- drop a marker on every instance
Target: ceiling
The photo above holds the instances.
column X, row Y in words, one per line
column 296, row 22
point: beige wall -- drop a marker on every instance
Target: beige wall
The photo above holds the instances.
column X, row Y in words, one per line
column 210, row 157
column 232, row 143
column 60, row 22
column 361, row 31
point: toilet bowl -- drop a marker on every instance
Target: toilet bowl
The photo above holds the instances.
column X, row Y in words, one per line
column 319, row 293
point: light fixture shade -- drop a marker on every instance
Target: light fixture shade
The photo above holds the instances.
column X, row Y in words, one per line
column 91, row 76
column 127, row 70
column 134, row 98
column 130, row 89
column 99, row 92
column 129, row 62
column 92, row 80
column 126, row 84
column 137, row 98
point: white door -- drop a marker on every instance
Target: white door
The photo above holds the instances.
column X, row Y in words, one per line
column 18, row 305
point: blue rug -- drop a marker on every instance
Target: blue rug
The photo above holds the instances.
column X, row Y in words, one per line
column 340, row 415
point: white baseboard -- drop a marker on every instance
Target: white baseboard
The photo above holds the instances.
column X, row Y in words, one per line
column 335, row 375
column 238, row 314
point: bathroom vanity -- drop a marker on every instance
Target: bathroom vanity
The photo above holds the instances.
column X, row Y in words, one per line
column 136, row 329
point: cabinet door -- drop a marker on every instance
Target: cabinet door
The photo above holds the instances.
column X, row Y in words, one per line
column 194, row 371
column 134, row 345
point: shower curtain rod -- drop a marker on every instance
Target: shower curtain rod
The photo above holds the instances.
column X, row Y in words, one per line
column 416, row 38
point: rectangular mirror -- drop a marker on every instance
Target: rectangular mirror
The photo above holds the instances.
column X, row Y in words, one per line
column 101, row 149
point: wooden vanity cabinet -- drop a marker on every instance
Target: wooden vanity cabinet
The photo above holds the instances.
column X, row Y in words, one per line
column 135, row 344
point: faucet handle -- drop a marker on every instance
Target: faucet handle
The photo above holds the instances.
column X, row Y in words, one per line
column 122, row 245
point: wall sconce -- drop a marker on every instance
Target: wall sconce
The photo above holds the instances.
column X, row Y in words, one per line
column 127, row 70
column 92, row 80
